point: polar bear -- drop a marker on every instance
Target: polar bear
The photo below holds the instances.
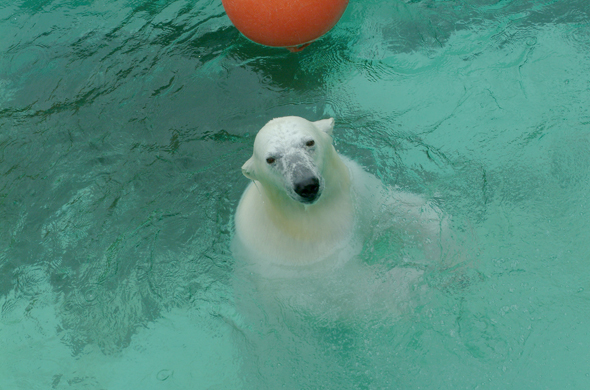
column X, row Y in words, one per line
column 308, row 207
column 323, row 249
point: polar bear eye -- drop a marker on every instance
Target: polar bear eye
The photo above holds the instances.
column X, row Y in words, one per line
column 310, row 143
column 270, row 160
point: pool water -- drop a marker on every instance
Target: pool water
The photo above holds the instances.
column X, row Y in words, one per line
column 123, row 127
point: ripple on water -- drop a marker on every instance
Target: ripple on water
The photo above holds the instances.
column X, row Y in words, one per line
column 164, row 374
column 6, row 92
column 581, row 35
column 28, row 59
column 93, row 294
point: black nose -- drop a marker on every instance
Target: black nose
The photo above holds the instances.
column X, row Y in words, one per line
column 308, row 189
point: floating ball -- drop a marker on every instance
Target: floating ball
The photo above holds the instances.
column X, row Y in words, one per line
column 284, row 23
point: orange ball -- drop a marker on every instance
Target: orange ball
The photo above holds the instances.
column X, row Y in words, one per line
column 284, row 23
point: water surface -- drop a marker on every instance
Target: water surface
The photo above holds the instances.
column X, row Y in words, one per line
column 123, row 127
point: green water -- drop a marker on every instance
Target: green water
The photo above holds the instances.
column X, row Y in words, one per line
column 123, row 127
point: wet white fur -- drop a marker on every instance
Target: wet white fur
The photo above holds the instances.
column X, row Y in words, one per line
column 273, row 227
column 280, row 235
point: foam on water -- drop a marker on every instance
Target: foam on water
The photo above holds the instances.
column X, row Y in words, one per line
column 123, row 127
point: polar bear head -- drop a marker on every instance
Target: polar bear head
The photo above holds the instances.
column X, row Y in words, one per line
column 290, row 158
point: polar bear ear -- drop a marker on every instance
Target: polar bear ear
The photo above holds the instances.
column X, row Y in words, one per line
column 325, row 125
column 248, row 169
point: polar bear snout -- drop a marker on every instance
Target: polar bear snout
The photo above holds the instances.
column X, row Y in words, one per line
column 308, row 189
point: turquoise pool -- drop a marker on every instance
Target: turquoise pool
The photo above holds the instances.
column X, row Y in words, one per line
column 123, row 127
